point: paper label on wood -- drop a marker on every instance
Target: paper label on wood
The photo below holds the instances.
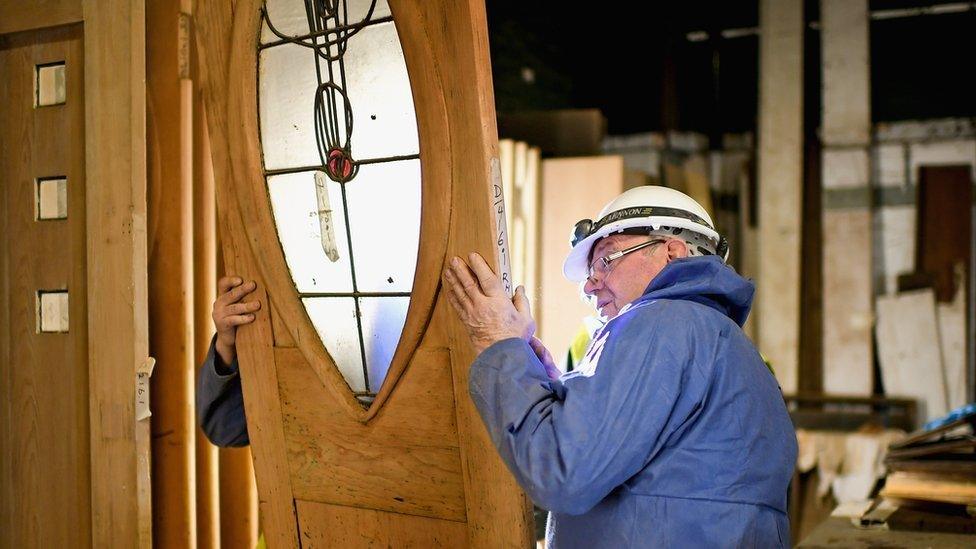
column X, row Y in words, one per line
column 143, row 373
column 501, row 226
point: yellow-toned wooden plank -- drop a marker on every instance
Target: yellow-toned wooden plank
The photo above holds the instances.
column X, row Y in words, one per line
column 170, row 183
column 115, row 173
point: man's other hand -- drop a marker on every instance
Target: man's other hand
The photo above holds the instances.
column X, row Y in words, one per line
column 229, row 313
column 545, row 357
column 484, row 308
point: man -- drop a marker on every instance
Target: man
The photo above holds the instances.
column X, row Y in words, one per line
column 220, row 399
column 671, row 432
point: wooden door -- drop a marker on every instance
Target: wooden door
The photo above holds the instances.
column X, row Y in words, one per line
column 44, row 433
column 943, row 244
column 401, row 461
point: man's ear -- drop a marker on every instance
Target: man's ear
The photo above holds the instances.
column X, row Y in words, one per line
column 677, row 249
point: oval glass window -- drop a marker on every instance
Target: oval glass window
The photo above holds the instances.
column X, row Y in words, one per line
column 341, row 160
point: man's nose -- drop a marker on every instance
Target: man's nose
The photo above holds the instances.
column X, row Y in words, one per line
column 592, row 284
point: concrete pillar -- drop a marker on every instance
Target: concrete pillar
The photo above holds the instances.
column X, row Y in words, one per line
column 847, row 227
column 780, row 185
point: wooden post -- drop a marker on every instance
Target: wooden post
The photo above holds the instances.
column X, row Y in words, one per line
column 170, row 139
column 847, row 227
column 115, row 174
column 238, row 499
column 780, row 184
column 204, row 293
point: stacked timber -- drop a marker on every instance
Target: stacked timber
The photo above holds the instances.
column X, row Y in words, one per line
column 932, row 476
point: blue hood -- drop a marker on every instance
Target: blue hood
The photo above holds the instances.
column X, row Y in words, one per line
column 704, row 280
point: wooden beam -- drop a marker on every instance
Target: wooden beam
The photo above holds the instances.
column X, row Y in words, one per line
column 204, row 293
column 238, row 499
column 780, row 185
column 115, row 173
column 170, row 156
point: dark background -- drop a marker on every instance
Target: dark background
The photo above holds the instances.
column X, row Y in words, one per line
column 633, row 61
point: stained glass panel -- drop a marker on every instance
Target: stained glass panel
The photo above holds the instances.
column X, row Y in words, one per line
column 341, row 154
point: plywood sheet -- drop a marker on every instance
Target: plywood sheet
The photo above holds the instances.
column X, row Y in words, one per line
column 908, row 350
column 572, row 189
column 897, row 233
column 952, row 341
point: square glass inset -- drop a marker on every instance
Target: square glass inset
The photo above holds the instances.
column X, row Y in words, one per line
column 52, row 198
column 49, row 84
column 52, row 311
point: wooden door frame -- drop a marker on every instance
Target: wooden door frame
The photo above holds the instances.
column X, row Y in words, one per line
column 445, row 44
column 115, row 186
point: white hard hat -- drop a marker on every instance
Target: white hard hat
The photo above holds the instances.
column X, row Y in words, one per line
column 646, row 208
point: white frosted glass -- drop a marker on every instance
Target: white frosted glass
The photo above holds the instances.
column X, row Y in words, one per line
column 52, row 198
column 384, row 121
column 50, row 85
column 294, row 203
column 384, row 219
column 383, row 319
column 288, row 16
column 287, row 105
column 334, row 318
column 52, row 311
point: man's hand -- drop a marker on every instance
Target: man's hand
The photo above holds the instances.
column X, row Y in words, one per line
column 229, row 313
column 477, row 295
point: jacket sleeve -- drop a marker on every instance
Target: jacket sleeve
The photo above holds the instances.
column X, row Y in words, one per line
column 569, row 443
column 220, row 402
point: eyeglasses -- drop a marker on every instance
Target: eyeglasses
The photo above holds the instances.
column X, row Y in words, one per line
column 603, row 265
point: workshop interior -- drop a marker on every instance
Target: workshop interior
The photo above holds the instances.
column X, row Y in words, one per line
column 340, row 153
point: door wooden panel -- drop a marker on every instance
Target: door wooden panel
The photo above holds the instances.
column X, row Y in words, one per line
column 44, row 429
column 945, row 198
column 415, row 468
column 324, row 525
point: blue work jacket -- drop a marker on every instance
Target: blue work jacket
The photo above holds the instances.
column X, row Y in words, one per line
column 672, row 432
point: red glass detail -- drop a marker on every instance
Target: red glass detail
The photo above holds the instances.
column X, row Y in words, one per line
column 339, row 165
